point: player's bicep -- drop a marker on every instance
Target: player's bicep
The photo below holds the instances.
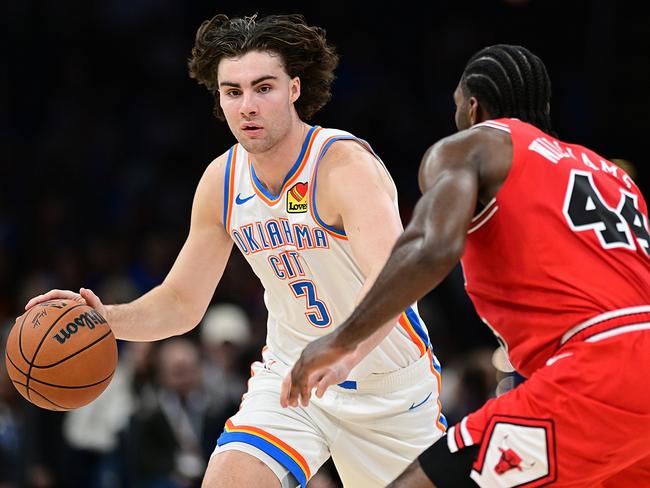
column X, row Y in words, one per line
column 370, row 218
column 372, row 234
column 450, row 183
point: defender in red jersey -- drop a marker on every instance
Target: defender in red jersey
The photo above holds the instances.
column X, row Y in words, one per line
column 555, row 248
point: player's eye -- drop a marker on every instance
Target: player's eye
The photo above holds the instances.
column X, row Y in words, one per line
column 264, row 89
column 232, row 93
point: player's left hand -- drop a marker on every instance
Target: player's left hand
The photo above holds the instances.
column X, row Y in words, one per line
column 322, row 363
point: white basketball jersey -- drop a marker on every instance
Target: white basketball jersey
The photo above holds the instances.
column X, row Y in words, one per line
column 310, row 276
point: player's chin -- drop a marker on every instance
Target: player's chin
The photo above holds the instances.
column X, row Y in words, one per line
column 255, row 145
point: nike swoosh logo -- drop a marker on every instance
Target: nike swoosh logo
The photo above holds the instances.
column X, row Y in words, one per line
column 240, row 200
column 413, row 405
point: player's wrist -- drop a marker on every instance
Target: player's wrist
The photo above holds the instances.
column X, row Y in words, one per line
column 345, row 345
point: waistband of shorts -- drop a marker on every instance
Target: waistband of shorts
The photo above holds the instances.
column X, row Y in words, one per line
column 610, row 324
column 391, row 381
column 373, row 383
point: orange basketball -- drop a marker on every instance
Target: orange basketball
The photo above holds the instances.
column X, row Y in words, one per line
column 61, row 354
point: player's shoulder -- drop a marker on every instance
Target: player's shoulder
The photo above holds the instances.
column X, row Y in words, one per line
column 344, row 152
column 214, row 174
column 344, row 149
column 217, row 167
column 347, row 164
column 350, row 166
column 211, row 184
column 472, row 143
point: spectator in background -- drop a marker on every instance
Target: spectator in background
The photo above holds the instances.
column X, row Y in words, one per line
column 225, row 335
column 95, row 432
column 470, row 380
column 166, row 435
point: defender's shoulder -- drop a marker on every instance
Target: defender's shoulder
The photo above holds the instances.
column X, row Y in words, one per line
column 471, row 143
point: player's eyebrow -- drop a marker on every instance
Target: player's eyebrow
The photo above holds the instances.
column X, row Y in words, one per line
column 253, row 83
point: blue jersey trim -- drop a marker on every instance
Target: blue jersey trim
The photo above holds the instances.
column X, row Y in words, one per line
column 435, row 363
column 263, row 445
column 313, row 191
column 226, row 189
column 296, row 165
column 417, row 326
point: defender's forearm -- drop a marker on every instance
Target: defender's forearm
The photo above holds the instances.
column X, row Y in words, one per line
column 420, row 260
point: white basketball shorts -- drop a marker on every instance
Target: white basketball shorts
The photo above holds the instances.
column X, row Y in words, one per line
column 373, row 429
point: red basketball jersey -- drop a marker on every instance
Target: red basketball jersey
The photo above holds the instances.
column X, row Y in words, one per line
column 564, row 244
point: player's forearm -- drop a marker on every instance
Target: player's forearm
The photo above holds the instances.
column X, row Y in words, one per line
column 158, row 314
column 403, row 281
column 420, row 260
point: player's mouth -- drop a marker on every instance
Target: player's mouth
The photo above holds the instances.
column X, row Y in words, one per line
column 251, row 129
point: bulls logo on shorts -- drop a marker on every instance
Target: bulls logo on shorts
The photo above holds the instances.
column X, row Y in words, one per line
column 516, row 451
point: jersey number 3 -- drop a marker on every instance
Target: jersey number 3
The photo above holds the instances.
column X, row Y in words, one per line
column 585, row 209
column 317, row 313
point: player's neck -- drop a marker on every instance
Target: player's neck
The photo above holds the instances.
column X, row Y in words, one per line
column 272, row 166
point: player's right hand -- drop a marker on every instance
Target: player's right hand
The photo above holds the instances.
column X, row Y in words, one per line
column 84, row 296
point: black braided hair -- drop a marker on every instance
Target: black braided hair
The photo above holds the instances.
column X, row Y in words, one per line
column 510, row 81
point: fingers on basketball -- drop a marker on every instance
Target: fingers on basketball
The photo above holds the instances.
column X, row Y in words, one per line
column 53, row 295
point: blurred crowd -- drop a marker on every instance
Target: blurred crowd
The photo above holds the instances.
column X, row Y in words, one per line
column 103, row 138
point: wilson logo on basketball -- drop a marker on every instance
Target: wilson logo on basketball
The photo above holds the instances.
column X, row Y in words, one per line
column 88, row 319
column 297, row 198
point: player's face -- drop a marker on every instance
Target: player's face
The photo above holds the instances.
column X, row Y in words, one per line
column 256, row 96
column 462, row 117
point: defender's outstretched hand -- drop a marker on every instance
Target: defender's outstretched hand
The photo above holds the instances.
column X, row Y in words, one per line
column 84, row 296
column 322, row 363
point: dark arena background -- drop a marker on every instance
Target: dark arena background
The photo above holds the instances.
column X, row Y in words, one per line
column 103, row 138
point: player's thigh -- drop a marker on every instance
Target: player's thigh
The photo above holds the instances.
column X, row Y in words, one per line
column 278, row 437
column 234, row 469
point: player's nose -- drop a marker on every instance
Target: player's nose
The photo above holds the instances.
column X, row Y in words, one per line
column 248, row 105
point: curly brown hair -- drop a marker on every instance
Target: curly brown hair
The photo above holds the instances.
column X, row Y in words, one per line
column 303, row 49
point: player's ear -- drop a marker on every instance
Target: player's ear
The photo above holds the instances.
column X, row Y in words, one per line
column 294, row 89
column 474, row 110
column 477, row 112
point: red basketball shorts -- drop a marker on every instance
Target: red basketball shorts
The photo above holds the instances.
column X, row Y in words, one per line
column 583, row 420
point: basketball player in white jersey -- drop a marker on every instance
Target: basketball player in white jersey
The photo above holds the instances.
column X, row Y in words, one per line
column 314, row 212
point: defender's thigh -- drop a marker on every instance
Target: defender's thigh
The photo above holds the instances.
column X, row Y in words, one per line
column 574, row 423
